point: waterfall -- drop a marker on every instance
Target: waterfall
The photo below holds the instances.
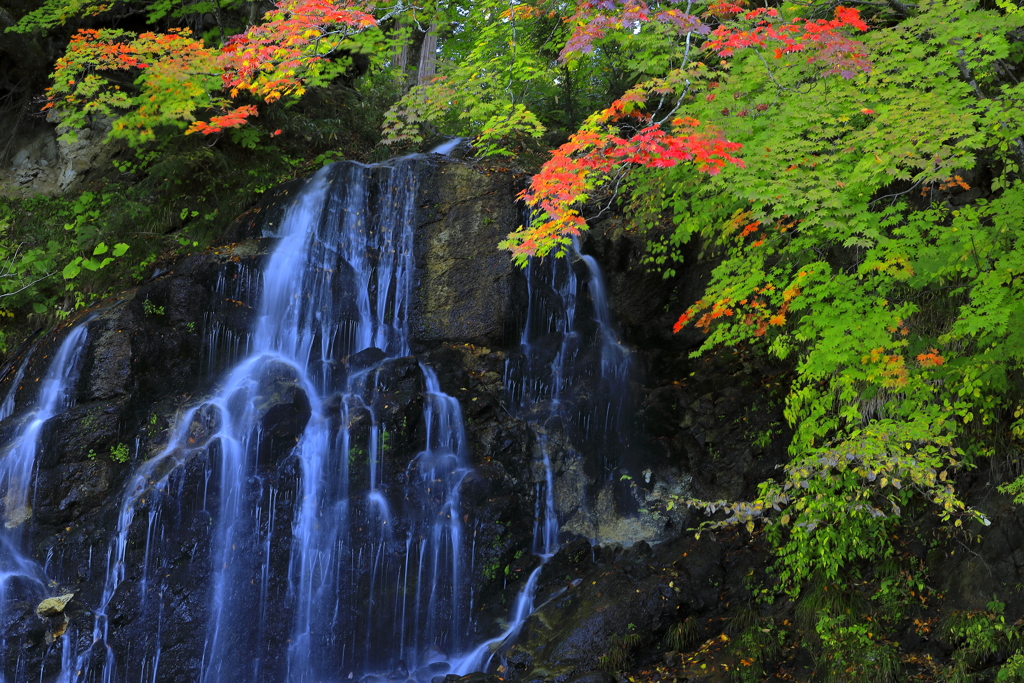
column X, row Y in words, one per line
column 371, row 539
column 324, row 532
column 542, row 387
column 18, row 571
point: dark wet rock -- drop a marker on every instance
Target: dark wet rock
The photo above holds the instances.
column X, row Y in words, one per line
column 111, row 371
column 476, row 677
column 596, row 598
column 433, row 653
column 428, row 672
column 593, row 677
column 206, row 422
column 282, row 401
column 367, row 358
column 263, row 218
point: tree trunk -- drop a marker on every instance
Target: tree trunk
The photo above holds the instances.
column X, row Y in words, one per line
column 400, row 57
column 428, row 56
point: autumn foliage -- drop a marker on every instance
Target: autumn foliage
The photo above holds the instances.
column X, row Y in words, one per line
column 179, row 79
column 297, row 39
column 625, row 134
column 600, row 149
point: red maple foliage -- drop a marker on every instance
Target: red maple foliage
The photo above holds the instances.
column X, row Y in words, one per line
column 599, row 149
column 269, row 59
column 823, row 40
column 624, row 135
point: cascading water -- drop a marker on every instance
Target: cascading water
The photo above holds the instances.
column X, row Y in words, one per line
column 20, row 575
column 327, row 552
column 572, row 366
column 539, row 384
column 7, row 407
column 372, row 537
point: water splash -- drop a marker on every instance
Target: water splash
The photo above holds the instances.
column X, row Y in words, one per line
column 447, row 147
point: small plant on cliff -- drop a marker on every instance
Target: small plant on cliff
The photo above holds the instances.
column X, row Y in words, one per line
column 755, row 648
column 682, row 635
column 980, row 635
column 1013, row 670
column 119, row 453
column 620, row 652
column 853, row 652
column 150, row 309
column 492, row 570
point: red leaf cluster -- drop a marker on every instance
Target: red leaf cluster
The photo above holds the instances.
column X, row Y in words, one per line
column 600, row 149
column 233, row 119
column 269, row 59
column 823, row 40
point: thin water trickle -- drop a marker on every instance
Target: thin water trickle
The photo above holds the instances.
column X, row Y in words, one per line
column 7, row 407
column 544, row 391
column 20, row 575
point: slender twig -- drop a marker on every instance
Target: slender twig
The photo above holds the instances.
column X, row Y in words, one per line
column 8, row 269
column 29, row 285
column 896, row 194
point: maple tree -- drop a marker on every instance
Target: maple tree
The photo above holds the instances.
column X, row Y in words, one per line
column 845, row 241
column 866, row 224
column 177, row 78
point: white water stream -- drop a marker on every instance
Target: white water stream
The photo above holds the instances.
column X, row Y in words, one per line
column 377, row 568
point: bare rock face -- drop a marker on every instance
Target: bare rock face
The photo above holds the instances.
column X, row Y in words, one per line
column 467, row 290
column 44, row 161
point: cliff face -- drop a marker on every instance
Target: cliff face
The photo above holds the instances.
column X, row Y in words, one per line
column 576, row 410
column 125, row 522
